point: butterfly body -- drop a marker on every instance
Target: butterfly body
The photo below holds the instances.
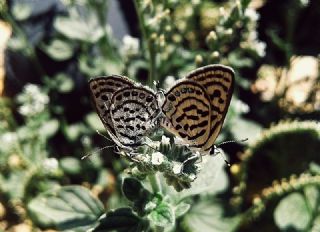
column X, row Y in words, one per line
column 196, row 106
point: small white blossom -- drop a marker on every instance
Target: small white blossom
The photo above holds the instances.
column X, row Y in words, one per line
column 192, row 177
column 165, row 140
column 241, row 106
column 9, row 138
column 50, row 164
column 130, row 45
column 177, row 168
column 157, row 158
column 304, row 2
column 33, row 100
column 260, row 48
column 252, row 14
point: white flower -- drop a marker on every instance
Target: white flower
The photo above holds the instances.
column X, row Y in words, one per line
column 304, row 2
column 33, row 100
column 130, row 45
column 241, row 107
column 50, row 164
column 260, row 48
column 252, row 14
column 165, row 140
column 177, row 168
column 9, row 138
column 157, row 158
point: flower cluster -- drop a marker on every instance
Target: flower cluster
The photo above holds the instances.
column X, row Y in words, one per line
column 177, row 163
column 33, row 101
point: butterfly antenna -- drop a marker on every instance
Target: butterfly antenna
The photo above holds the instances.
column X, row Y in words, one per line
column 98, row 150
column 232, row 141
column 99, row 133
column 223, row 156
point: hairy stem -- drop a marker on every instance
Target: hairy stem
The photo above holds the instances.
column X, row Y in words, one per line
column 150, row 44
column 155, row 183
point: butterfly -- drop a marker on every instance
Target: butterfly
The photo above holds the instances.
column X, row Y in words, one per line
column 127, row 110
column 196, row 106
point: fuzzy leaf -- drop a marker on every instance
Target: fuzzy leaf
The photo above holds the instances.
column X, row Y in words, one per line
column 162, row 216
column 211, row 179
column 49, row 128
column 208, row 216
column 121, row 220
column 21, row 11
column 68, row 208
column 94, row 121
column 59, row 50
column 133, row 189
column 70, row 165
column 181, row 209
column 81, row 25
column 292, row 213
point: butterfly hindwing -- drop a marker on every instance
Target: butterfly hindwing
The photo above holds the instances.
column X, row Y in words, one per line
column 133, row 112
column 218, row 82
column 102, row 89
column 187, row 110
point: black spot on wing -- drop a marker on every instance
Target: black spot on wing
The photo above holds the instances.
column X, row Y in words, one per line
column 216, row 83
column 202, row 124
column 201, row 133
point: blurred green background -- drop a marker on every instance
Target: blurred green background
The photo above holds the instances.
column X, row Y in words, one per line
column 50, row 49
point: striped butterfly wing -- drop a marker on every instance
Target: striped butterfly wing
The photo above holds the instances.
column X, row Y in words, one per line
column 187, row 109
column 218, row 82
column 102, row 89
column 134, row 112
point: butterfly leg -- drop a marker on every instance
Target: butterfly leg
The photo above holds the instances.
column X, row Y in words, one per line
column 216, row 151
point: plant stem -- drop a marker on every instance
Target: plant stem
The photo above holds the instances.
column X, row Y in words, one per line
column 150, row 46
column 155, row 183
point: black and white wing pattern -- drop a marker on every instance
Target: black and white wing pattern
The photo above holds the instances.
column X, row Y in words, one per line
column 128, row 111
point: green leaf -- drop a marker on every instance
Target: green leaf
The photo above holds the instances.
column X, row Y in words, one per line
column 70, row 165
column 121, row 220
column 292, row 212
column 14, row 184
column 59, row 50
column 162, row 216
column 181, row 209
column 83, row 26
column 245, row 3
column 49, row 128
column 21, row 11
column 94, row 121
column 212, row 178
column 312, row 194
column 208, row 216
column 314, row 168
column 64, row 83
column 133, row 189
column 68, row 208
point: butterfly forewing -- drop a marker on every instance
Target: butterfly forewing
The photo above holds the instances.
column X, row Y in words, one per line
column 102, row 89
column 218, row 82
column 187, row 110
column 134, row 111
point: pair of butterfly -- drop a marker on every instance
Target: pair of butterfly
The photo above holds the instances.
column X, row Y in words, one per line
column 193, row 109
